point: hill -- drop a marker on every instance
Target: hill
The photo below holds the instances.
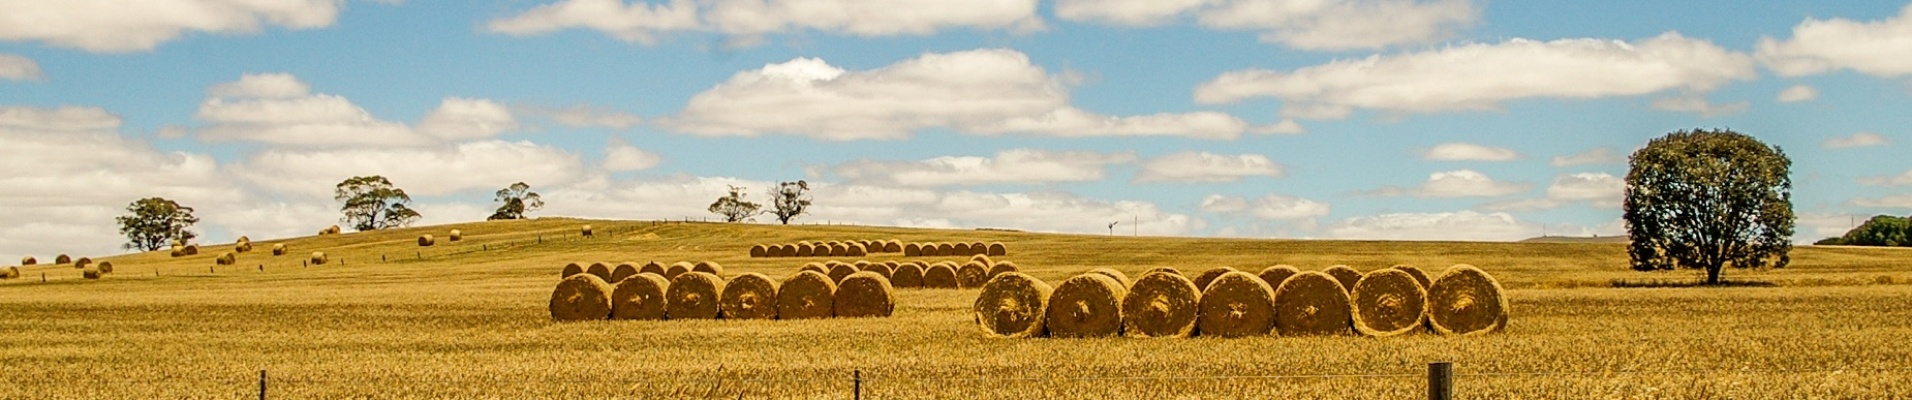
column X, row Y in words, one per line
column 1578, row 239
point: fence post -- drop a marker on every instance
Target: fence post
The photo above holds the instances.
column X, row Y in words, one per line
column 856, row 381
column 1440, row 380
column 262, row 384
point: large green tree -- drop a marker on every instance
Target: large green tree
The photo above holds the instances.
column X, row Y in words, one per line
column 789, row 200
column 518, row 200
column 373, row 203
column 1707, row 199
column 733, row 206
column 152, row 223
column 1881, row 230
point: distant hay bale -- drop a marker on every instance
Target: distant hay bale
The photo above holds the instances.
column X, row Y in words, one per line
column 1274, row 275
column 28, row 260
column 945, row 250
column 227, row 259
column 317, row 258
column 1202, row 281
column 623, row 271
column 11, row 273
column 639, row 297
column 1312, row 303
column 84, row 262
column 997, row 250
column 177, row 253
column 839, row 250
column 571, row 269
column 1087, row 305
column 1237, row 304
column 655, row 268
column 455, row 236
column 912, row 250
column 581, row 297
column 978, row 249
column 840, row 271
column 1466, row 301
column 907, row 275
column 1388, row 302
column 892, row 246
column 856, row 250
column 243, row 239
column 1013, row 305
column 1003, row 267
column 880, row 269
column 759, row 251
column 815, row 266
column 278, row 249
column 709, row 267
column 865, row 295
column 426, row 240
column 1171, row 270
column 959, row 249
column 677, row 269
column 750, row 296
column 805, row 250
column 806, row 295
column 940, row 276
column 1418, row 274
column 62, row 260
column 602, row 270
column 1161, row 304
column 972, row 274
column 191, row 250
column 983, row 258
column 105, row 267
column 1346, row 275
column 892, row 264
column 694, row 295
column 242, row 247
column 586, row 231
column 831, row 264
column 176, row 243
column 90, row 273
column 1114, row 274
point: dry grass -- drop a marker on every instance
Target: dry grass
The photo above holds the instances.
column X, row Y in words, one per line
column 1003, row 267
column 908, row 275
column 708, row 267
column 940, row 276
column 1346, row 275
column 972, row 274
column 1274, row 275
column 1207, row 276
column 1420, row 276
column 1118, row 276
column 622, row 271
column 602, row 270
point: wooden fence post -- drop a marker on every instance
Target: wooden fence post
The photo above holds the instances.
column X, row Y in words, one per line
column 856, row 381
column 262, row 384
column 1440, row 381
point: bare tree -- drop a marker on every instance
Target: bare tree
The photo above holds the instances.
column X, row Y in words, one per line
column 790, row 199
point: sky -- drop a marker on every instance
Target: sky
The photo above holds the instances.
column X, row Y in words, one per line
column 1329, row 119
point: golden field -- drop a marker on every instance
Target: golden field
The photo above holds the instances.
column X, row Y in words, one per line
column 468, row 320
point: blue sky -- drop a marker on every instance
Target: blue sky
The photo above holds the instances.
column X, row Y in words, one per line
column 1368, row 119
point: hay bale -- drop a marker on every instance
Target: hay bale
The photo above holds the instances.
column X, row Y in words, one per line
column 623, row 271
column 997, row 250
column 1274, row 275
column 1418, row 274
column 940, row 276
column 907, row 275
column 1388, row 302
column 1466, row 301
column 709, row 267
column 62, row 260
column 893, row 246
column 177, row 253
column 1202, row 281
column 1013, row 305
column 759, row 251
column 806, row 295
column 840, row 271
column 856, row 250
column 749, row 296
column 242, row 247
column 571, row 269
column 84, row 262
column 863, row 295
column 227, row 259
column 28, row 260
column 805, row 250
column 880, row 269
column 1087, row 305
column 11, row 273
column 581, row 297
column 455, row 236
column 1236, row 304
column 912, row 250
column 1161, row 304
column 1346, row 275
column 332, row 230
column 105, row 267
column 278, row 249
column 677, row 269
column 90, row 273
column 1171, row 270
column 818, row 267
column 694, row 295
column 654, row 268
column 972, row 274
column 586, row 231
column 983, row 258
column 959, row 249
column 945, row 250
column 639, row 297
column 840, row 250
column 602, row 270
column 1003, row 267
column 1312, row 303
column 1112, row 273
column 978, row 249
column 426, row 240
column 317, row 258
column 191, row 249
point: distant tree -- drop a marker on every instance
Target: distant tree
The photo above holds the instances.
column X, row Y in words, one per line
column 1707, row 199
column 372, row 203
column 789, row 200
column 153, row 223
column 1881, row 230
column 1831, row 241
column 733, row 206
column 518, row 200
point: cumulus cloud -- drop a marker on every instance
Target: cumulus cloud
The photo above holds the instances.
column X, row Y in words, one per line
column 18, row 68
column 990, row 92
column 1598, row 189
column 1860, row 139
column 1482, row 76
column 1205, row 167
column 1797, row 93
column 1459, row 226
column 1817, row 46
column 1015, row 166
column 1308, row 25
column 1287, row 126
column 279, row 109
column 1222, row 204
column 110, row 26
column 462, row 119
column 1459, row 151
column 1902, row 179
column 1597, row 155
column 422, row 171
column 645, row 22
column 1891, row 201
column 1457, row 183
column 583, row 116
column 1698, row 105
column 621, row 156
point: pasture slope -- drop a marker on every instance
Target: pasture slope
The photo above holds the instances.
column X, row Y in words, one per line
column 386, row 318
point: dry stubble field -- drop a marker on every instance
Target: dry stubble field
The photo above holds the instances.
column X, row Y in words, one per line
column 468, row 320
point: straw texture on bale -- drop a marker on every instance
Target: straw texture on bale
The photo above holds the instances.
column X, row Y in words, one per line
column 972, row 274
column 1003, row 267
column 805, row 250
column 90, row 273
column 581, row 297
column 640, row 297
column 624, row 270
column 912, row 250
column 426, row 240
column 997, row 249
column 677, row 269
column 759, row 251
column 892, row 246
column 586, row 230
column 84, row 262
column 940, row 276
column 1013, row 305
column 1275, row 274
column 840, row 271
column 1202, row 281
column 602, row 270
column 1312, row 303
column 105, row 267
column 1161, row 304
column 880, row 269
column 278, row 249
column 1388, row 302
column 318, row 258
column 838, row 250
column 959, row 249
column 865, row 295
column 571, row 269
column 1466, row 301
column 806, row 295
column 750, row 296
column 1112, row 273
column 1171, row 270
column 907, row 275
column 1346, row 275
column 455, row 236
column 694, row 295
column 1087, row 305
column 28, row 260
column 708, row 267
column 978, row 249
column 1419, row 275
column 654, row 267
column 818, row 267
column 191, row 249
column 857, row 250
column 242, row 247
column 1237, row 304
column 62, row 260
column 945, row 249
column 983, row 258
column 226, row 259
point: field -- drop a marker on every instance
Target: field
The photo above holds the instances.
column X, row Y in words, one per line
column 389, row 319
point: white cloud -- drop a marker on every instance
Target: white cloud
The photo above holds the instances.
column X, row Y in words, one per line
column 1797, row 93
column 1458, row 183
column 421, row 171
column 1892, row 201
column 621, row 156
column 462, row 119
column 1301, row 24
column 1698, row 105
column 1287, row 126
column 584, row 116
column 1469, row 152
column 1015, row 166
column 1598, row 189
column 35, row 119
column 1814, row 225
column 104, row 26
column 644, row 22
column 1861, row 139
column 1482, row 76
column 1459, row 226
column 1073, row 122
column 1876, row 48
column 1597, row 155
column 1281, row 207
column 1900, row 180
column 276, row 85
column 1205, row 167
column 18, row 68
column 279, row 109
column 1221, row 204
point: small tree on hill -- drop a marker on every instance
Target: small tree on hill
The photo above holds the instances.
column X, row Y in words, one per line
column 153, row 222
column 518, row 200
column 1707, row 199
column 733, row 206
column 372, row 203
column 789, row 200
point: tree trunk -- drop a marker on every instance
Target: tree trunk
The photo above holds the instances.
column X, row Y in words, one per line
column 1712, row 274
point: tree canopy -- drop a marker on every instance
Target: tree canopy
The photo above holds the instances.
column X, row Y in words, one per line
column 1881, row 230
column 1707, row 199
column 372, row 203
column 152, row 223
column 518, row 200
column 733, row 207
column 789, row 200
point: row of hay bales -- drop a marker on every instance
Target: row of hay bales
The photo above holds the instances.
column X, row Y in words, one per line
column 847, row 248
column 427, row 240
column 1224, row 302
column 331, row 230
column 698, row 291
column 917, row 274
column 996, row 249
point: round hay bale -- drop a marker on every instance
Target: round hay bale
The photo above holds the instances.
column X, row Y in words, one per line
column 640, row 297
column 278, row 249
column 1171, row 270
column 805, row 250
column 694, row 295
column 838, row 250
column 907, row 275
column 1112, row 273
column 624, row 270
column 1202, row 281
column 455, row 236
column 84, row 262
column 978, row 249
column 893, row 246
column 1388, row 302
column 13, row 273
column 105, row 267
column 1418, row 274
column 177, row 253
column 1003, row 267
column 571, row 269
column 959, row 249
column 997, row 250
column 1346, row 275
column 880, row 269
column 865, row 294
column 227, row 259
column 940, row 276
column 1312, row 303
column 586, row 231
column 912, row 250
column 831, row 264
column 750, row 296
column 1087, row 305
column 426, row 240
column 1237, row 304
column 243, row 239
column 818, row 267
column 1274, row 275
column 1466, row 301
column 331, row 230
column 602, row 270
column 191, row 249
column 840, row 271
column 857, row 250
column 892, row 264
column 983, row 258
column 677, row 269
column 945, row 250
column 581, row 297
column 709, row 267
column 972, row 274
column 90, row 273
column 28, row 260
column 317, row 258
column 1161, row 304
column 654, row 268
column 62, row 260
column 176, row 243
column 242, row 247
column 1013, row 305
column 806, row 295
column 759, row 251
